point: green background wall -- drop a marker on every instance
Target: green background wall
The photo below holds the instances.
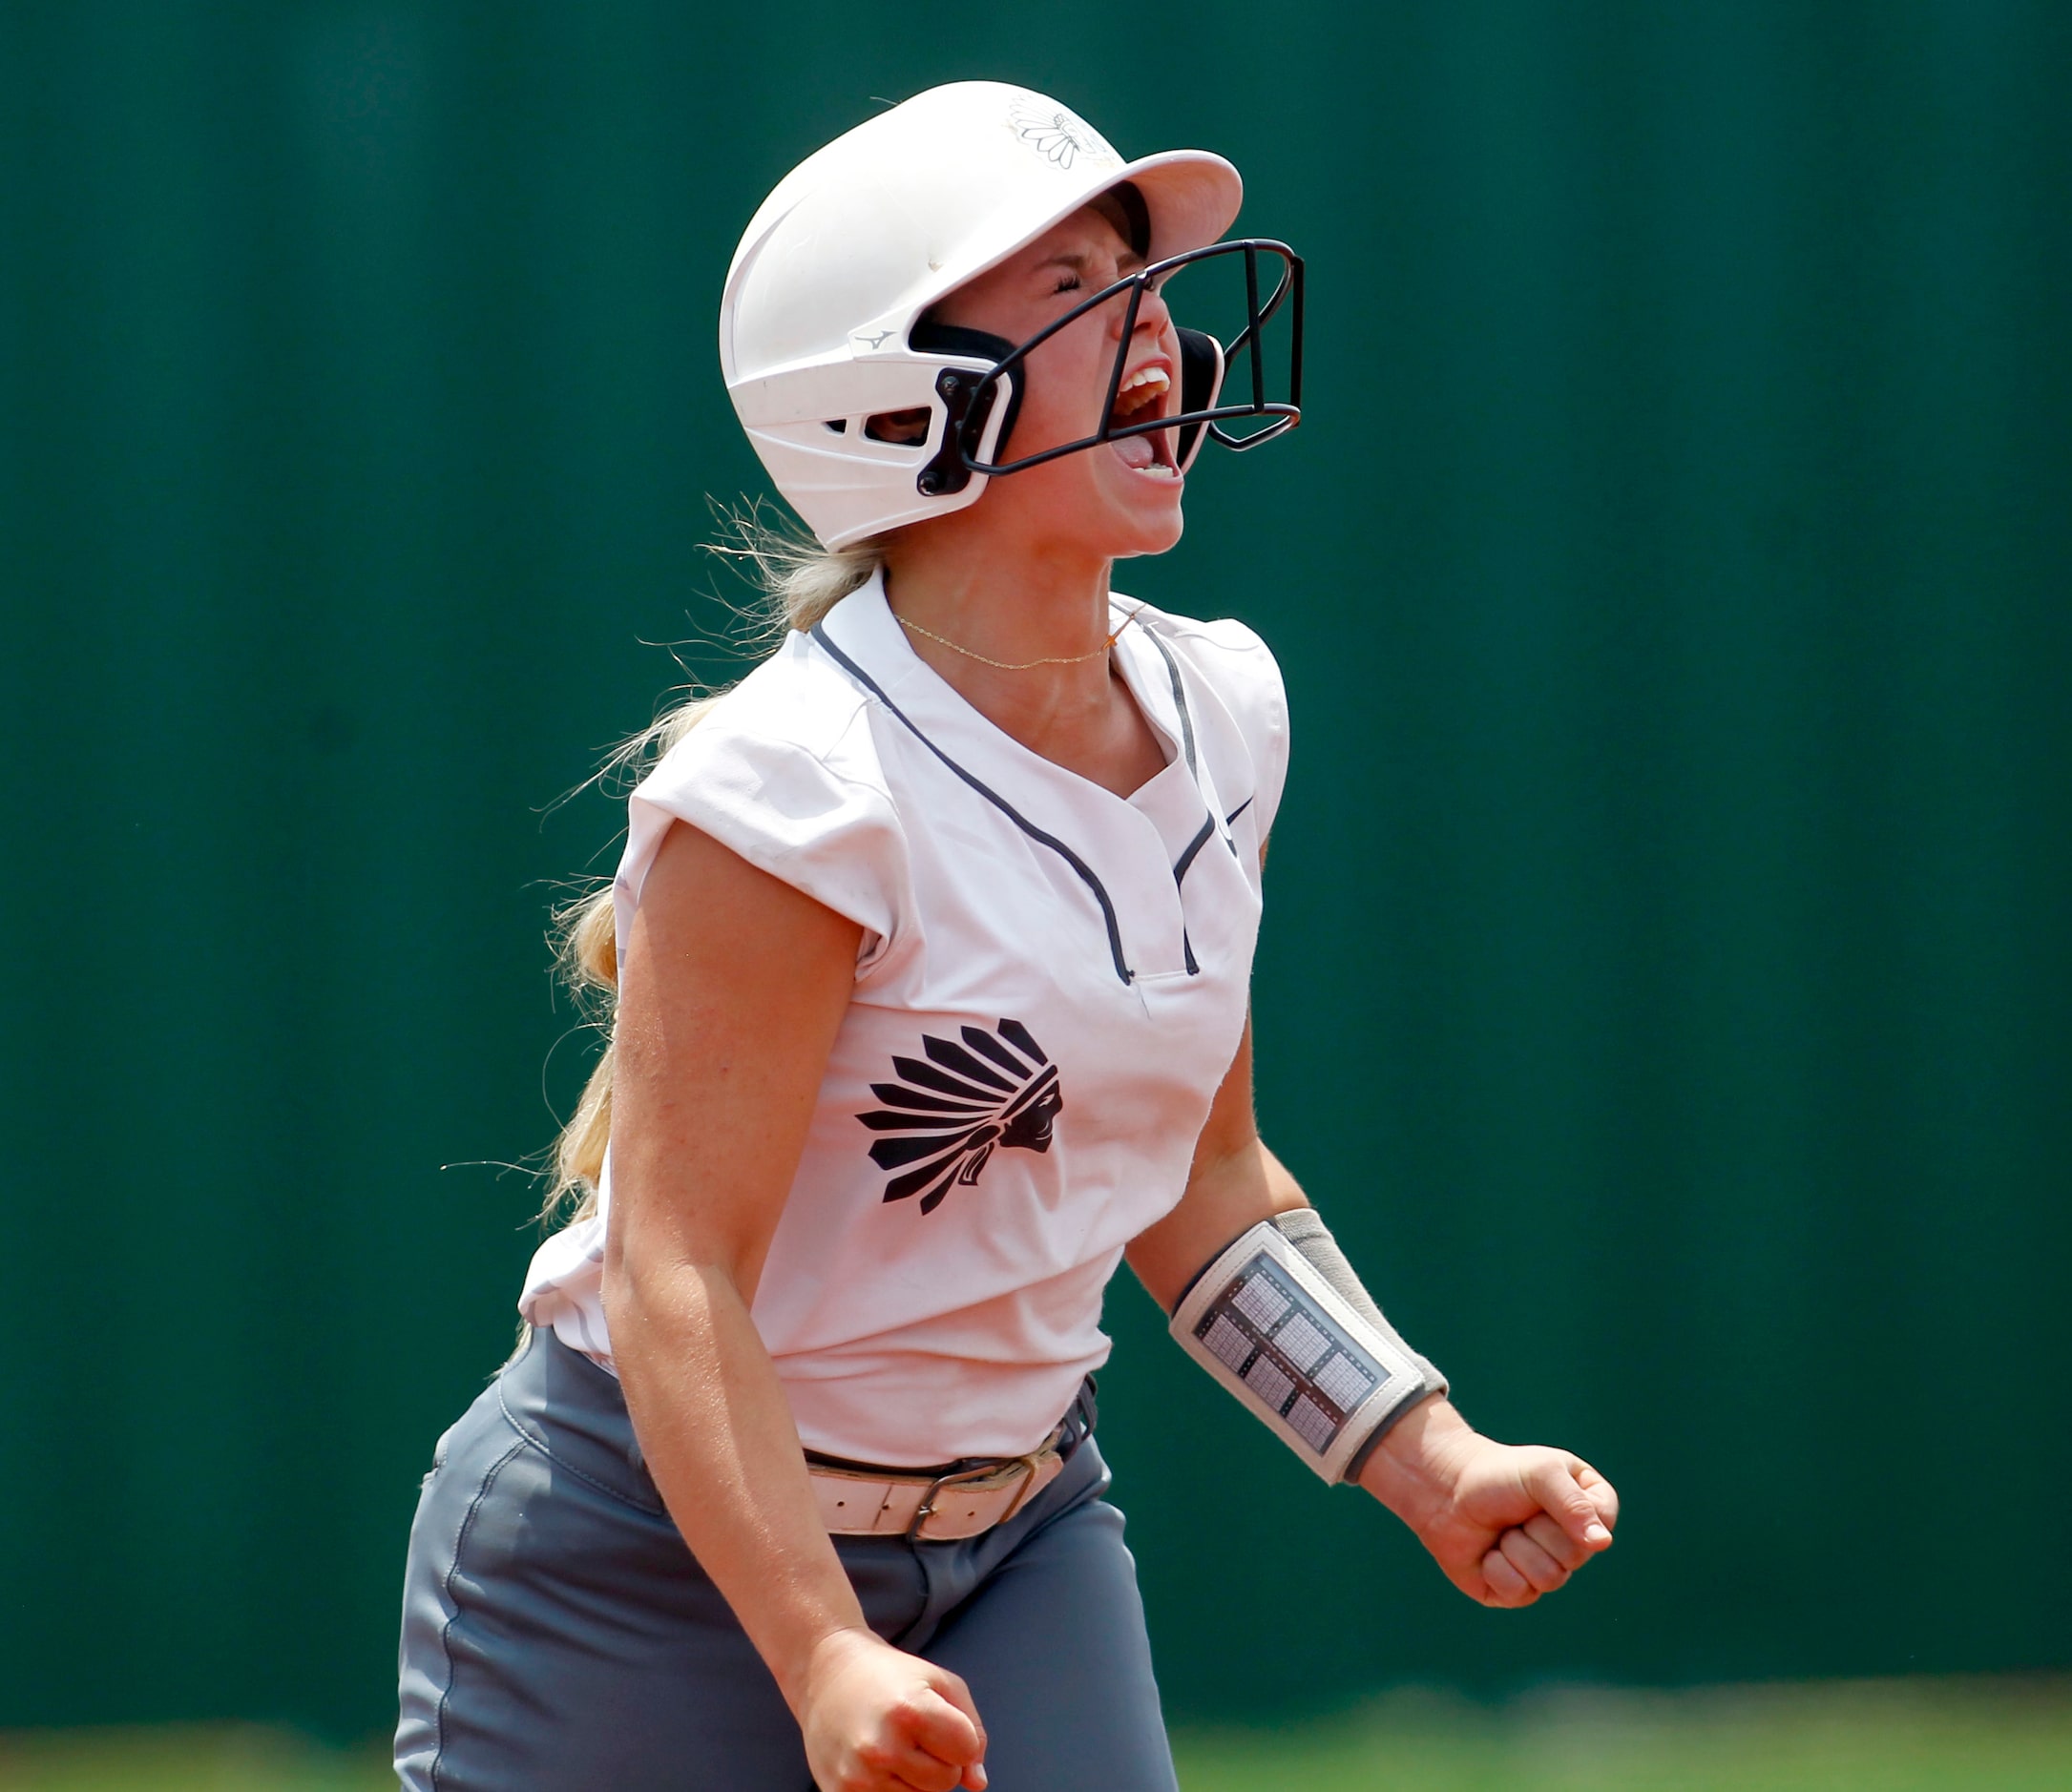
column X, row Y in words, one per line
column 1666, row 971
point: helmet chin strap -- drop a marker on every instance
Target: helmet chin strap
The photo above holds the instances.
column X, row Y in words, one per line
column 930, row 337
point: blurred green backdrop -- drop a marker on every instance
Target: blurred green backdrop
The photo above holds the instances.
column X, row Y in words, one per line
column 1666, row 981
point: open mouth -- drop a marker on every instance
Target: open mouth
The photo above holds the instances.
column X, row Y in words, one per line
column 1141, row 397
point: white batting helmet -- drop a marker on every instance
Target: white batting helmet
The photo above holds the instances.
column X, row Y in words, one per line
column 817, row 321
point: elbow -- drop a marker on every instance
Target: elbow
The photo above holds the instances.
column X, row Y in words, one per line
column 653, row 1295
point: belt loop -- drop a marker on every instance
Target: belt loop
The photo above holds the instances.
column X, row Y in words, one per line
column 1021, row 1493
column 1086, row 1409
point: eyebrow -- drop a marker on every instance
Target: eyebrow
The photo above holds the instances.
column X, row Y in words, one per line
column 1077, row 260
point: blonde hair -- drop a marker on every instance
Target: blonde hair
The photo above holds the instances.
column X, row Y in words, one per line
column 798, row 581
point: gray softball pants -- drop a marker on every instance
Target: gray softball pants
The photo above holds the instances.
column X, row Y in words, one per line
column 558, row 1635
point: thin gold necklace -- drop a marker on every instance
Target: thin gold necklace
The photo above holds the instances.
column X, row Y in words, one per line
column 1021, row 665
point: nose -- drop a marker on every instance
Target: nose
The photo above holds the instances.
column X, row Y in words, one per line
column 1153, row 315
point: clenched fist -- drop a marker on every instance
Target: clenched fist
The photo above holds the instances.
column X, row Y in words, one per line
column 877, row 1720
column 1505, row 1522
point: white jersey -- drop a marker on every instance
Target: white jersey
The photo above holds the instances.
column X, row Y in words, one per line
column 1052, row 984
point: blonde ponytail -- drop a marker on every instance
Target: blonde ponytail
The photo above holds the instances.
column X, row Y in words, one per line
column 800, row 582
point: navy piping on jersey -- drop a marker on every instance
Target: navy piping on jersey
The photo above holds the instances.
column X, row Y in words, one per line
column 1180, row 877
column 998, row 802
column 1208, row 825
column 1194, row 846
column 1180, row 703
column 1186, row 740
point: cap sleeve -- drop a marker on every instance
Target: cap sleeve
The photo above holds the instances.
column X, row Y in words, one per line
column 819, row 826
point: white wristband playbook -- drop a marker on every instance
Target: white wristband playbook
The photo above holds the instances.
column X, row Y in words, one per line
column 1324, row 1377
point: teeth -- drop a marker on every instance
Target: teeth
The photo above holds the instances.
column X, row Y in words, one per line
column 1139, row 389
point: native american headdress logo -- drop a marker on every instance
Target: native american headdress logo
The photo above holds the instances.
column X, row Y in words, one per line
column 948, row 1115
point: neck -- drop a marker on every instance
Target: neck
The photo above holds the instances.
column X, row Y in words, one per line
column 1018, row 601
column 1011, row 602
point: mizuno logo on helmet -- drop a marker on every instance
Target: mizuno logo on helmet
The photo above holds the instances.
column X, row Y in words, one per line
column 950, row 1113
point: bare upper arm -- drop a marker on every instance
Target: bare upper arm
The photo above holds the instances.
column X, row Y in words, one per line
column 732, row 991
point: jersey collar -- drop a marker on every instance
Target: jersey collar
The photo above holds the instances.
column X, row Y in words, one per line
column 1130, row 844
column 864, row 627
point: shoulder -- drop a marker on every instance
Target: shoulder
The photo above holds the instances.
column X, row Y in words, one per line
column 796, row 702
column 792, row 724
column 783, row 769
column 1227, row 662
column 1225, row 642
column 1226, row 655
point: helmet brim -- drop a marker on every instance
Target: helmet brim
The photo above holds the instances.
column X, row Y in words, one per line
column 1193, row 197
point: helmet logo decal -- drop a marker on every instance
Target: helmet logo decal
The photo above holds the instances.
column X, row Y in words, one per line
column 951, row 1114
column 1058, row 136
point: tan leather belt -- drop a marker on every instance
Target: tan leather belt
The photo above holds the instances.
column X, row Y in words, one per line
column 869, row 1503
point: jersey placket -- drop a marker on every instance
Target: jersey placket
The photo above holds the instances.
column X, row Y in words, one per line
column 1116, row 851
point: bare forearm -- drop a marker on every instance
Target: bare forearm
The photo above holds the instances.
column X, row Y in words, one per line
column 1225, row 1194
column 717, row 1433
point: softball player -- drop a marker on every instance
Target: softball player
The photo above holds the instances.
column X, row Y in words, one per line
column 930, row 947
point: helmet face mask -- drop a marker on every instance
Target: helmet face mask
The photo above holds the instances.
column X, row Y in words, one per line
column 1204, row 359
column 866, row 412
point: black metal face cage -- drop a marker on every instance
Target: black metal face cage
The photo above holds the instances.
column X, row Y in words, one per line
column 970, row 397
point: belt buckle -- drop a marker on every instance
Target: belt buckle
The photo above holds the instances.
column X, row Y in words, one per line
column 990, row 1476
